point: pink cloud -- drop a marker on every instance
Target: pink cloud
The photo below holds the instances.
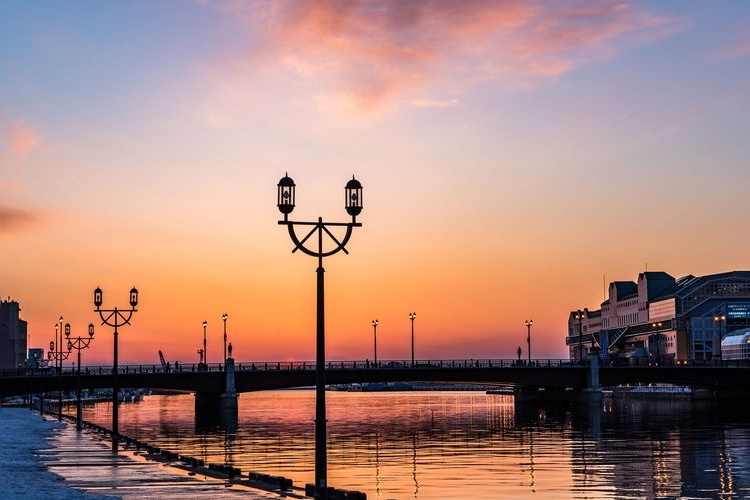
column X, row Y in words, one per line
column 369, row 51
column 741, row 49
column 14, row 220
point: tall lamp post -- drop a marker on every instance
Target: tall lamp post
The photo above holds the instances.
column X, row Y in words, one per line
column 353, row 204
column 375, row 337
column 579, row 317
column 205, row 352
column 718, row 319
column 115, row 318
column 529, row 322
column 79, row 343
column 224, row 319
column 56, row 348
column 412, row 315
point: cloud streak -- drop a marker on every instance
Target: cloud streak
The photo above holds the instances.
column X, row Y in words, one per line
column 15, row 220
column 369, row 51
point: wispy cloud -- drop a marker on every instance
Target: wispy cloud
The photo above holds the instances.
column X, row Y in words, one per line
column 369, row 51
column 15, row 220
column 18, row 139
column 737, row 50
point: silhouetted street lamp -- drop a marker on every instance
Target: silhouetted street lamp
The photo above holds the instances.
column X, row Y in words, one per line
column 579, row 316
column 115, row 318
column 375, row 337
column 353, row 204
column 412, row 315
column 529, row 322
column 224, row 319
column 56, row 348
column 718, row 319
column 205, row 351
column 79, row 343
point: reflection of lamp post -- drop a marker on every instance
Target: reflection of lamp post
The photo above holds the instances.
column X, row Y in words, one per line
column 56, row 348
column 579, row 318
column 529, row 322
column 224, row 319
column 717, row 338
column 353, row 204
column 79, row 343
column 115, row 318
column 375, row 337
column 412, row 315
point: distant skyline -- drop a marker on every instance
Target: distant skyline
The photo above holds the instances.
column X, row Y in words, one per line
column 513, row 154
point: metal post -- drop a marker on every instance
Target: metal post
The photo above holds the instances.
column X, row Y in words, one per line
column 224, row 317
column 321, row 452
column 528, row 337
column 79, row 410
column 205, row 352
column 375, row 339
column 115, row 390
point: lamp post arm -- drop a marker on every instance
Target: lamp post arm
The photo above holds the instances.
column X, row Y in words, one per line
column 320, row 226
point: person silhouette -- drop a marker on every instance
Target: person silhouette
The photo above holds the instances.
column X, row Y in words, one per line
column 518, row 352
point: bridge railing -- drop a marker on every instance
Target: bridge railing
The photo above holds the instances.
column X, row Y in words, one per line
column 298, row 365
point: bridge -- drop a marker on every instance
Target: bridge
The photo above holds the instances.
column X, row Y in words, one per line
column 254, row 376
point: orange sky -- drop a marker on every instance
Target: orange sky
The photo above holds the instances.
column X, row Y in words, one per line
column 511, row 158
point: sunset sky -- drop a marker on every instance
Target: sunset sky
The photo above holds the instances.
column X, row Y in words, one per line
column 514, row 156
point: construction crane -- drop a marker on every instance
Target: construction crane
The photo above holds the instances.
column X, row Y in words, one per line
column 164, row 364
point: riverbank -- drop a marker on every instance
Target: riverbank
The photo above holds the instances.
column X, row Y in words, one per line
column 44, row 458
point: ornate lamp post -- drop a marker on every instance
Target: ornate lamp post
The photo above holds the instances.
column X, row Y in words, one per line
column 115, row 318
column 353, row 204
column 224, row 319
column 79, row 343
column 375, row 337
column 529, row 322
column 205, row 352
column 56, row 348
column 579, row 317
column 412, row 315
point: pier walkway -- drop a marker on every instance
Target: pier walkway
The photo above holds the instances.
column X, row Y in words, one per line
column 83, row 467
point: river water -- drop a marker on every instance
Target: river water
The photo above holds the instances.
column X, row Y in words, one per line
column 465, row 445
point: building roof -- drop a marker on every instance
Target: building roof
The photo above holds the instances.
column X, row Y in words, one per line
column 625, row 289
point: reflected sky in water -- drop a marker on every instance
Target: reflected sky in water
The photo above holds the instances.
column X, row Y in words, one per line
column 458, row 445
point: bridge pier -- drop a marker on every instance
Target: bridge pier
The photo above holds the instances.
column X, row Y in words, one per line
column 209, row 406
column 590, row 393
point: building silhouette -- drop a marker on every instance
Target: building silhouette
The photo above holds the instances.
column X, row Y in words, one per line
column 662, row 319
column 13, row 336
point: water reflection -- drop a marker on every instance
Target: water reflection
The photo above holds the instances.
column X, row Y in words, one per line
column 465, row 445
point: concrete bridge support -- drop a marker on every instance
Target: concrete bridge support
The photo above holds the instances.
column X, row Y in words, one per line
column 590, row 393
column 218, row 408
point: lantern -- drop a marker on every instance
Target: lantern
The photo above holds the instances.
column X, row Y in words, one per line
column 353, row 195
column 98, row 297
column 133, row 297
column 285, row 199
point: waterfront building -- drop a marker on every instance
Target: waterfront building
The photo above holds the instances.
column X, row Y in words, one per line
column 660, row 319
column 13, row 336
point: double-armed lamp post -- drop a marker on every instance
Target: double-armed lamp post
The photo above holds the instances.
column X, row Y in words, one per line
column 412, row 316
column 59, row 355
column 115, row 318
column 375, row 338
column 79, row 343
column 322, row 231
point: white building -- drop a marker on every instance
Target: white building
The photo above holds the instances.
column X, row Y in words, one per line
column 662, row 318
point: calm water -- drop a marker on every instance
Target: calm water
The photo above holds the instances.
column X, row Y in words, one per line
column 465, row 445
